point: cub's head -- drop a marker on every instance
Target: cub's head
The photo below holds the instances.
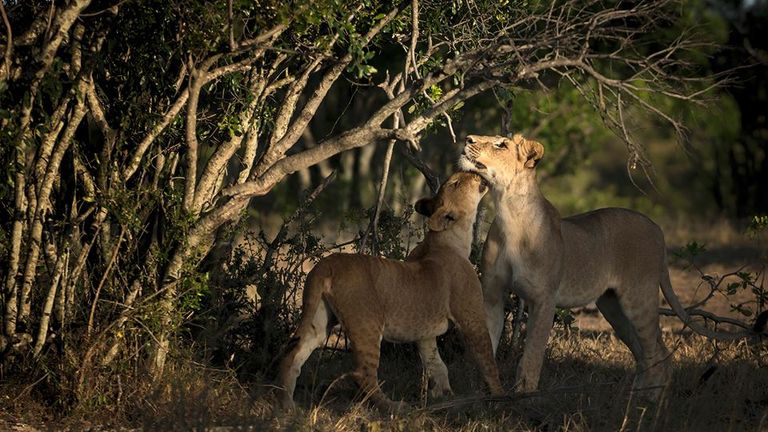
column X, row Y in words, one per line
column 455, row 205
column 500, row 159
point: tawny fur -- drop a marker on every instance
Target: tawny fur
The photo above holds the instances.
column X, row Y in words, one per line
column 401, row 301
column 614, row 257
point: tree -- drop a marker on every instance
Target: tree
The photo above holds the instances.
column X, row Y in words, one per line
column 135, row 131
column 740, row 180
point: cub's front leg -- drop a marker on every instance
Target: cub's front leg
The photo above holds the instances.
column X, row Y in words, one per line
column 437, row 372
column 495, row 292
column 467, row 312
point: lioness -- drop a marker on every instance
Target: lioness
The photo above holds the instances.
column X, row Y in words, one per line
column 401, row 301
column 616, row 257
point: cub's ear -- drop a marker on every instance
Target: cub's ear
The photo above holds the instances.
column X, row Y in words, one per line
column 425, row 206
column 532, row 151
column 441, row 219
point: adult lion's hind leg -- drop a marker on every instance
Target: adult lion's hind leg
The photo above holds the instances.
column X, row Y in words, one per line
column 609, row 306
column 640, row 306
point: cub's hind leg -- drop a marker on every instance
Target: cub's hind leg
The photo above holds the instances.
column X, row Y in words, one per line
column 311, row 334
column 364, row 326
column 366, row 350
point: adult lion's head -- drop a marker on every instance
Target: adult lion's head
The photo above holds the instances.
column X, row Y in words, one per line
column 500, row 159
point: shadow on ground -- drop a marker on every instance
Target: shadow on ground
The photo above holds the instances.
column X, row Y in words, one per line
column 585, row 385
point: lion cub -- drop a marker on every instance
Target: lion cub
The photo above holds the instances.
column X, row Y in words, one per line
column 401, row 301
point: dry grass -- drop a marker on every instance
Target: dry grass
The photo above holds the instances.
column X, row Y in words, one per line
column 585, row 386
column 715, row 386
column 585, row 383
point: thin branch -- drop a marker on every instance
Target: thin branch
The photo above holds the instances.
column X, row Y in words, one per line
column 310, row 107
column 414, row 39
column 714, row 318
column 230, row 26
column 165, row 121
column 5, row 71
column 190, row 181
column 102, row 281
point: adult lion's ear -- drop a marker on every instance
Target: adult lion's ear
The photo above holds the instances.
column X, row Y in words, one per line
column 425, row 206
column 440, row 220
column 533, row 151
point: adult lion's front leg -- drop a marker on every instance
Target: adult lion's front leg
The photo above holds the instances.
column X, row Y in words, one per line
column 539, row 326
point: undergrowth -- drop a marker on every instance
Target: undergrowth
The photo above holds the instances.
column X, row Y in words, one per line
column 225, row 359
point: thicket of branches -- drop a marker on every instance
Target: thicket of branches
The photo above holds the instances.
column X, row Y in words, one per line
column 135, row 134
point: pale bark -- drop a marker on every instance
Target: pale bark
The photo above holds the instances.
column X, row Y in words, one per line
column 61, row 25
column 42, row 331
column 191, row 144
column 45, row 151
column 217, row 164
column 42, row 207
column 5, row 69
column 11, row 286
column 165, row 121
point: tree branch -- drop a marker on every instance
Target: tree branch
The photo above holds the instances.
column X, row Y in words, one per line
column 135, row 160
column 306, row 114
column 190, row 180
column 5, row 71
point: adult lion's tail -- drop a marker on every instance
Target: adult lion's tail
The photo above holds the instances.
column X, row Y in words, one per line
column 685, row 315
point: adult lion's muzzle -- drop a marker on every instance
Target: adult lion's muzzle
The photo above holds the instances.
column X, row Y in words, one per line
column 469, row 163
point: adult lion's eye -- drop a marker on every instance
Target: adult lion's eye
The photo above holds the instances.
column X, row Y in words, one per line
column 500, row 145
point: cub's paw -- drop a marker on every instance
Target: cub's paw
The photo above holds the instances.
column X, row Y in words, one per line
column 440, row 392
